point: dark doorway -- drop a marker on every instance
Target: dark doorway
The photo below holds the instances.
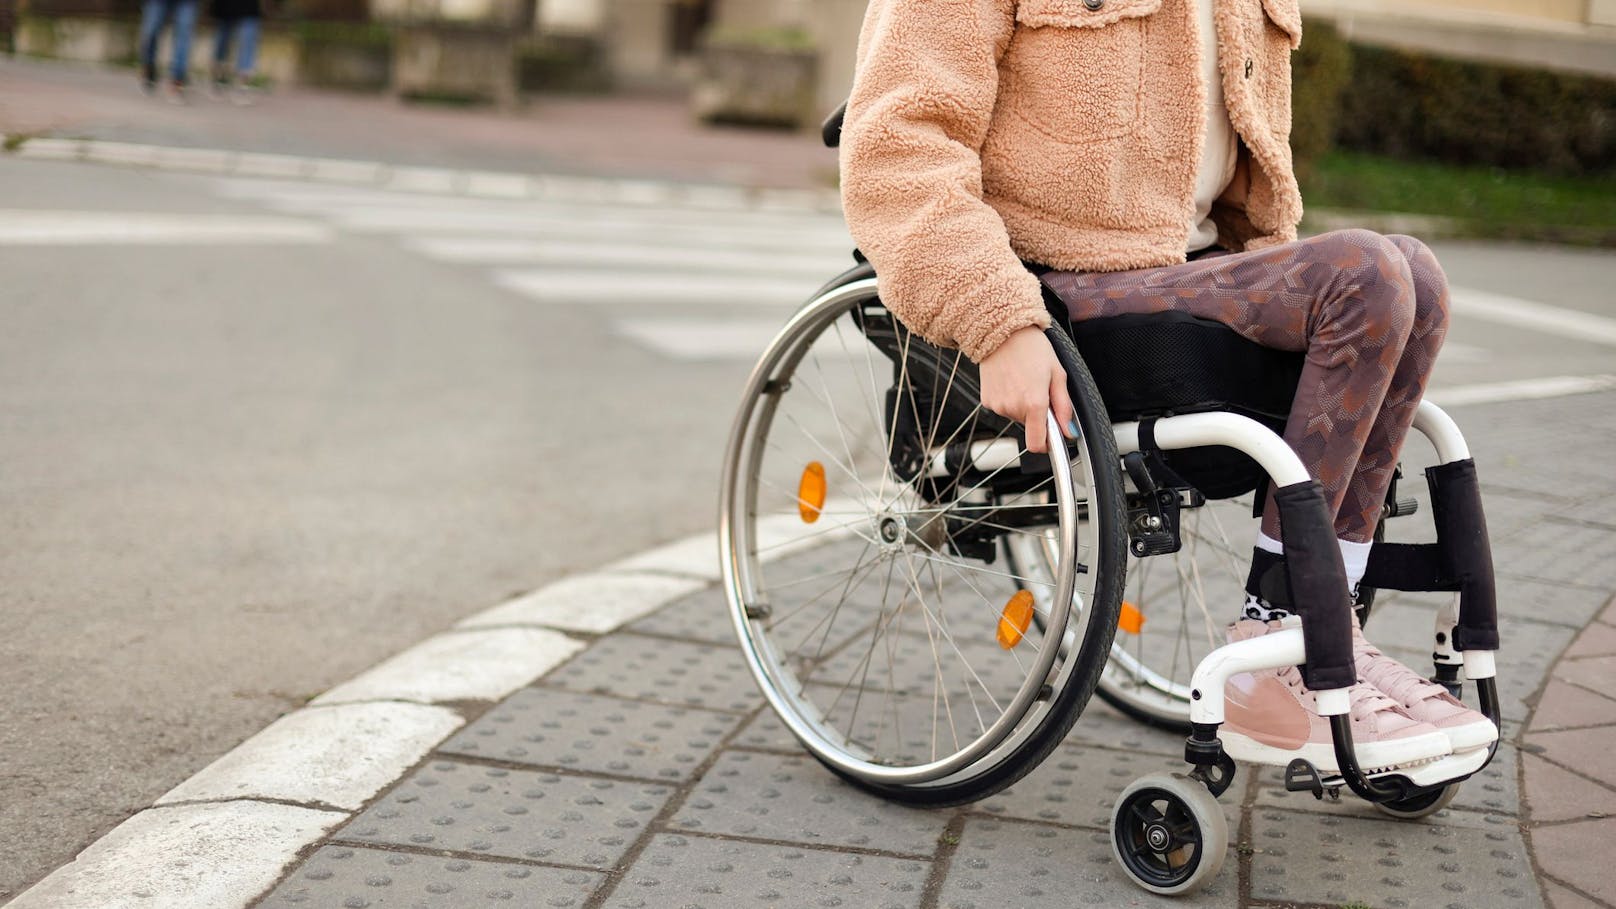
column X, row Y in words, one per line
column 689, row 20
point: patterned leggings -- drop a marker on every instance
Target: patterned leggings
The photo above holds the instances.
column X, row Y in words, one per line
column 1371, row 313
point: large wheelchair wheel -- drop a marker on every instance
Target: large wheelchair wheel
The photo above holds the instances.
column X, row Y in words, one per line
column 865, row 499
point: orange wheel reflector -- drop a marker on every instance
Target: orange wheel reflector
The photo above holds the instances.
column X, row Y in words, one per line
column 1015, row 618
column 811, row 492
column 1130, row 619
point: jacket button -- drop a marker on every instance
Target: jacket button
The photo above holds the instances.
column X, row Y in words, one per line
column 1248, row 69
column 1093, row 5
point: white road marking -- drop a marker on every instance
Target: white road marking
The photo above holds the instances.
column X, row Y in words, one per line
column 477, row 250
column 659, row 288
column 702, row 339
column 20, row 227
column 337, row 756
column 211, row 856
column 1521, row 390
column 1533, row 316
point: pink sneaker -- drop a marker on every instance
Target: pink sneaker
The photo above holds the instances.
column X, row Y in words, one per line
column 1271, row 718
column 1422, row 699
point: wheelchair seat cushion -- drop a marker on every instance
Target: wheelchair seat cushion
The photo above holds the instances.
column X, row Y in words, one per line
column 1162, row 364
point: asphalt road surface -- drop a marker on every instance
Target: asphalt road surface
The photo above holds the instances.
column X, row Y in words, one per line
column 256, row 436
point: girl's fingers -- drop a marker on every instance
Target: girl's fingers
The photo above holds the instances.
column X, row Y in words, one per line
column 1060, row 401
column 1033, row 420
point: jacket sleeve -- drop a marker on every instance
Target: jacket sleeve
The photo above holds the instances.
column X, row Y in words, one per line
column 923, row 95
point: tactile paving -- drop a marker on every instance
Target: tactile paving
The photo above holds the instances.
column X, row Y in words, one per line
column 1524, row 657
column 1078, row 786
column 794, row 799
column 549, row 727
column 570, row 820
column 698, row 873
column 657, row 669
column 1314, row 858
column 362, row 878
column 1006, row 863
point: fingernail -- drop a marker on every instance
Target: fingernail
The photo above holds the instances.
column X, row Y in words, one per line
column 1072, row 430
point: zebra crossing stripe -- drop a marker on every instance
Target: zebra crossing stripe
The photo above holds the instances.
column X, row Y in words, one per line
column 628, row 288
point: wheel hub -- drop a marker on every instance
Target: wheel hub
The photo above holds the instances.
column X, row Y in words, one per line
column 1157, row 836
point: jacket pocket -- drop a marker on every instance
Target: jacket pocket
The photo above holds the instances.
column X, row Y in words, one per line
column 1287, row 14
column 1074, row 68
column 1082, row 13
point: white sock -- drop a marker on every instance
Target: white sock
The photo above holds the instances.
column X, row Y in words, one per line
column 1355, row 556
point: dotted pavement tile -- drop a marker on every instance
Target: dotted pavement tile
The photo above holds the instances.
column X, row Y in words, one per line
column 362, row 878
column 1007, row 863
column 1079, row 786
column 1529, row 594
column 656, row 669
column 692, row 871
column 519, row 814
column 1330, row 859
column 794, row 799
column 701, row 616
column 548, row 727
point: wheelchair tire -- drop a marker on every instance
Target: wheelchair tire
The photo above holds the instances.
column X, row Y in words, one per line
column 866, row 597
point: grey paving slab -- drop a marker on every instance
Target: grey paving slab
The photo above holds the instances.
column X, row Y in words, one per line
column 548, row 727
column 360, row 878
column 520, row 814
column 701, row 873
column 1008, row 863
column 701, row 616
column 1324, row 858
column 1078, row 785
column 794, row 799
column 656, row 669
column 1524, row 656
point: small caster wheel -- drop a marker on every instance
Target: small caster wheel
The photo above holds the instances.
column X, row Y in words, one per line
column 1419, row 806
column 1168, row 832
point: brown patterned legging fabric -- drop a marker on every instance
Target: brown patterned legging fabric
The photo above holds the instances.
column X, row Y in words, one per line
column 1371, row 313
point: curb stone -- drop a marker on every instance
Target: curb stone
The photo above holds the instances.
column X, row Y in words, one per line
column 432, row 180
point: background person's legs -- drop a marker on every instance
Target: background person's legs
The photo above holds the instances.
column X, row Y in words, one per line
column 184, row 25
column 153, row 16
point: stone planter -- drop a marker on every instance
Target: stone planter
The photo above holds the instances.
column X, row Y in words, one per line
column 455, row 63
column 759, row 85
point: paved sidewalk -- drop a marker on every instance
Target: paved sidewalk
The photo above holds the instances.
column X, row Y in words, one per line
column 643, row 771
column 613, row 136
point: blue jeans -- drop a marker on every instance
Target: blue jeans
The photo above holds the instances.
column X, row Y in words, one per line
column 154, row 17
column 245, row 33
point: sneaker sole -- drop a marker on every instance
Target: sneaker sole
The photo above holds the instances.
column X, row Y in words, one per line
column 1373, row 757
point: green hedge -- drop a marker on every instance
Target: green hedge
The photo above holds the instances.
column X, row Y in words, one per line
column 1415, row 106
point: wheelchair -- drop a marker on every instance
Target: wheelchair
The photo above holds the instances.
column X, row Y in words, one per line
column 928, row 607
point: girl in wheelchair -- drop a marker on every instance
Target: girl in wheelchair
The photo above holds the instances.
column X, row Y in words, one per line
column 1136, row 152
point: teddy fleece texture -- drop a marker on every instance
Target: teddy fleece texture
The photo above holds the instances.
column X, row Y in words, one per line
column 982, row 134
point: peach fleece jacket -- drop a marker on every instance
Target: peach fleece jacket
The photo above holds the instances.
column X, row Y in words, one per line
column 981, row 133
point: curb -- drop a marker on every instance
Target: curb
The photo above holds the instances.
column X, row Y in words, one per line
column 225, row 836
column 482, row 184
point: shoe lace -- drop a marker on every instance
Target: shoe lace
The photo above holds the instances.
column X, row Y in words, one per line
column 1396, row 680
column 1365, row 700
